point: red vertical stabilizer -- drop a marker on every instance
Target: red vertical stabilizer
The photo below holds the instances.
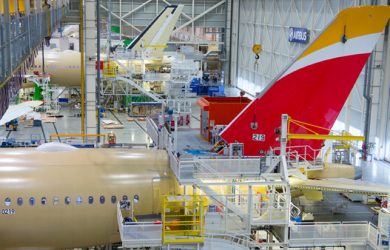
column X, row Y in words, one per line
column 315, row 86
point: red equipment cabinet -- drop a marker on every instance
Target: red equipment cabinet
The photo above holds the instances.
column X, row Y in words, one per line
column 219, row 111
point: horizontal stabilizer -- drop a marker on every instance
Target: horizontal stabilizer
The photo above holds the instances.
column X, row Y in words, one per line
column 340, row 185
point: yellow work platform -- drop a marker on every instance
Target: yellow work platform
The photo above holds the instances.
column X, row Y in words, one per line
column 183, row 219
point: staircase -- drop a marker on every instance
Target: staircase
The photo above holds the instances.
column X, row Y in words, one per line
column 223, row 200
column 230, row 241
column 154, row 97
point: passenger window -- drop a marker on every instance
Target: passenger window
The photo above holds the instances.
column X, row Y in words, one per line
column 32, row 201
column 7, row 201
column 56, row 200
column 79, row 200
column 125, row 198
column 90, row 200
column 43, row 201
column 102, row 199
column 19, row 201
column 136, row 198
column 67, row 200
column 113, row 199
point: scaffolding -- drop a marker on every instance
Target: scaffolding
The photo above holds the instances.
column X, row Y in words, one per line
column 22, row 30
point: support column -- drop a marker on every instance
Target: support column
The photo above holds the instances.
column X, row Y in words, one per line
column 377, row 88
column 270, row 239
column 283, row 137
column 27, row 14
column 109, row 24
column 17, row 50
column 384, row 144
column 227, row 43
column 120, row 20
column 38, row 11
column 175, row 119
column 90, row 65
column 7, row 39
column 250, row 211
column 234, row 39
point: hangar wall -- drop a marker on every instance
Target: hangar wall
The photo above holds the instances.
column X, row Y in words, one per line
column 267, row 22
column 199, row 19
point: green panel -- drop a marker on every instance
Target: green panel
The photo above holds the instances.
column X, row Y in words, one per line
column 37, row 93
column 128, row 99
column 115, row 29
column 127, row 41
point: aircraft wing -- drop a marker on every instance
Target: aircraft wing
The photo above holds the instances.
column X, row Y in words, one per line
column 340, row 185
column 15, row 111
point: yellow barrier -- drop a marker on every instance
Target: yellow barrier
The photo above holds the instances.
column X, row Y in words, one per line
column 21, row 6
column 109, row 69
column 12, row 8
column 316, row 136
column 78, row 135
column 183, row 219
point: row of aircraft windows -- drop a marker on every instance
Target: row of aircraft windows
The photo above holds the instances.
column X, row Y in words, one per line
column 56, row 200
column 58, row 66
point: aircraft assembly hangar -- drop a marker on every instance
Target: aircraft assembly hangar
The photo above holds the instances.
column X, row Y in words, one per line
column 194, row 124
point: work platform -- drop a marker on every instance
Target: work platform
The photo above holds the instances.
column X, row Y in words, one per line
column 234, row 215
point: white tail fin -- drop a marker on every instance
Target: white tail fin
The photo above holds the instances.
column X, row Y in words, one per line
column 154, row 37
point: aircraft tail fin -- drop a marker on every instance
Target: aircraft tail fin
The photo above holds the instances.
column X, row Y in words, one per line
column 315, row 86
column 156, row 35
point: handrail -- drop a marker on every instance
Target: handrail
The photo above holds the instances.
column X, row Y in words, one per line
column 298, row 210
column 326, row 158
column 78, row 135
column 293, row 154
column 141, row 89
column 239, row 239
column 299, row 146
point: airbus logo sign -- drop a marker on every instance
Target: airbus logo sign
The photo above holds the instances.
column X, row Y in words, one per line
column 298, row 35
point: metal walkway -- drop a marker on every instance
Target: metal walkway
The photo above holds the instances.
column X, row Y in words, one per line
column 22, row 30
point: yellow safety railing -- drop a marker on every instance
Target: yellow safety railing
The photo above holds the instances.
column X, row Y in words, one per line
column 313, row 135
column 12, row 7
column 183, row 219
column 109, row 69
column 77, row 135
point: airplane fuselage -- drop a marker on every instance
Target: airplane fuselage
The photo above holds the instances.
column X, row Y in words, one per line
column 51, row 200
column 62, row 66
